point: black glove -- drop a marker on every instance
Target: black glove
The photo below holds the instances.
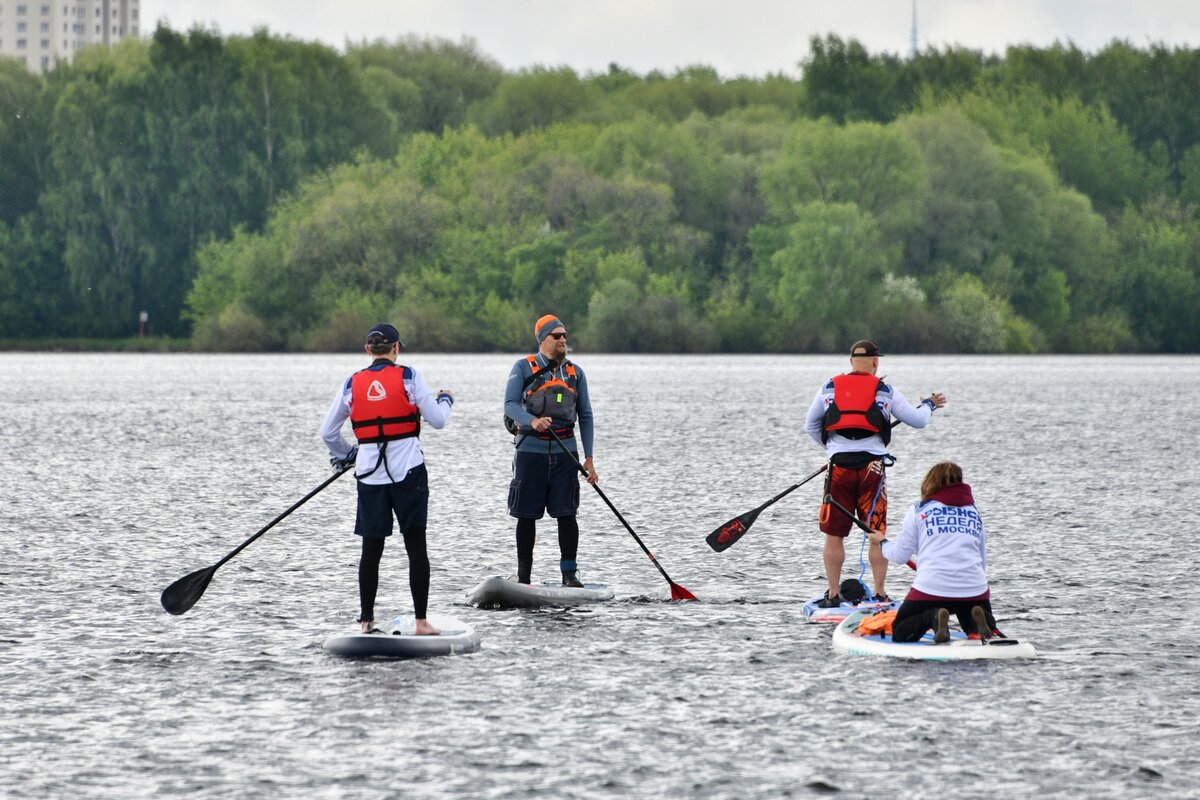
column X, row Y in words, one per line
column 343, row 464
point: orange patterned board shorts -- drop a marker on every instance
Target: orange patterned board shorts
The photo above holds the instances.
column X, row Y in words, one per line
column 861, row 490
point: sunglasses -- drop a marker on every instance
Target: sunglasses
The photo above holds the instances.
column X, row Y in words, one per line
column 558, row 335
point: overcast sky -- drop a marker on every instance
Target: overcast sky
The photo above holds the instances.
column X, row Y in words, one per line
column 737, row 37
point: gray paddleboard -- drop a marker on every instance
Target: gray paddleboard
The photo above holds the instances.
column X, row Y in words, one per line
column 501, row 592
column 396, row 639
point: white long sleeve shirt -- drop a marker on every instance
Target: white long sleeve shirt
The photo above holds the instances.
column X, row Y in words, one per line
column 402, row 454
column 950, row 547
column 890, row 401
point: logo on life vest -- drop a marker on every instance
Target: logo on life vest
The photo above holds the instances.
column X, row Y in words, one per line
column 731, row 531
column 376, row 391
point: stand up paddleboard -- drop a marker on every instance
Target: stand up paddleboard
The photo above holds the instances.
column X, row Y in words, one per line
column 501, row 592
column 846, row 639
column 814, row 613
column 396, row 639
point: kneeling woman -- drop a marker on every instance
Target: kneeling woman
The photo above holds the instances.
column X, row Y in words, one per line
column 945, row 532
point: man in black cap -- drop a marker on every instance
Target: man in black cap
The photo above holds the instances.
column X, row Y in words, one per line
column 385, row 404
column 851, row 417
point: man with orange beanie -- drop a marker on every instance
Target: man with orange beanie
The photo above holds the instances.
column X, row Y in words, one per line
column 546, row 397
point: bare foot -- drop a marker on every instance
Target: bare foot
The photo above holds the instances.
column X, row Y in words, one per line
column 423, row 628
column 365, row 625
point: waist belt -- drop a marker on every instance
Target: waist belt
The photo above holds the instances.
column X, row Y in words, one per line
column 379, row 422
column 857, row 460
column 567, row 432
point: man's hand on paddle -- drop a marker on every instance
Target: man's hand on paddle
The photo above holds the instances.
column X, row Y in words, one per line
column 540, row 424
column 876, row 537
column 593, row 477
column 342, row 464
column 937, row 398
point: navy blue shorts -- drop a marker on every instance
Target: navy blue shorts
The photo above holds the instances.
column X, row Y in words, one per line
column 408, row 500
column 543, row 482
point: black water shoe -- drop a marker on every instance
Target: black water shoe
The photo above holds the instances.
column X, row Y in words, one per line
column 570, row 578
column 829, row 602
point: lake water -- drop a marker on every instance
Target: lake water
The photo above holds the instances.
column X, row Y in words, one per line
column 121, row 473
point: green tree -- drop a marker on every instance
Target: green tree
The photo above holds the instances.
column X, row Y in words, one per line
column 24, row 139
column 535, row 98
column 1160, row 277
column 878, row 168
column 828, row 276
column 31, row 296
column 1087, row 146
column 974, row 321
column 450, row 77
column 844, row 82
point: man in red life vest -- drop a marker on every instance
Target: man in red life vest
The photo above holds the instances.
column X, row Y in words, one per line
column 851, row 417
column 385, row 404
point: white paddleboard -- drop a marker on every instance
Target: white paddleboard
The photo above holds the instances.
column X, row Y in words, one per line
column 501, row 592
column 397, row 639
column 846, row 639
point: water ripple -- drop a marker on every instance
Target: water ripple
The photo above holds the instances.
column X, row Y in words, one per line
column 171, row 461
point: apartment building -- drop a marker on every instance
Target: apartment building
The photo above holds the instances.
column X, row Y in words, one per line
column 39, row 32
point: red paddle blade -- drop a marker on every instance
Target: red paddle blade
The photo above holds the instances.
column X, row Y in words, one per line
column 725, row 536
column 680, row 593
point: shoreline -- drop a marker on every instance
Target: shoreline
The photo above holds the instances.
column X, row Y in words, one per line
column 145, row 344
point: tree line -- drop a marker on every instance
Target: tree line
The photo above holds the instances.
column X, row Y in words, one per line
column 264, row 193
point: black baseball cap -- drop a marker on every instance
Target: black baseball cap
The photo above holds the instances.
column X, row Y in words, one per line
column 383, row 333
column 864, row 347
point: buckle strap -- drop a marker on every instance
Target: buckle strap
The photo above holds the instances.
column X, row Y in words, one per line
column 366, row 423
column 563, row 433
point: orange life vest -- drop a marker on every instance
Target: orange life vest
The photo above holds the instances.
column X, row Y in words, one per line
column 555, row 398
column 380, row 410
column 878, row 623
column 853, row 412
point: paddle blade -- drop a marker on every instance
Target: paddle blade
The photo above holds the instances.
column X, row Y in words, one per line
column 726, row 535
column 183, row 593
column 680, row 593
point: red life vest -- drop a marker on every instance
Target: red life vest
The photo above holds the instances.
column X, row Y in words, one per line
column 853, row 412
column 380, row 410
column 554, row 398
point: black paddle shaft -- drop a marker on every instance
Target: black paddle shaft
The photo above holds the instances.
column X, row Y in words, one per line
column 724, row 536
column 853, row 518
column 183, row 593
column 604, row 497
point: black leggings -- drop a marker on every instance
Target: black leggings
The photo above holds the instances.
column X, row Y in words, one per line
column 916, row 617
column 418, row 572
column 568, row 538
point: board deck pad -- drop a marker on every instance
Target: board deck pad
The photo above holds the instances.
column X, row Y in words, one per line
column 814, row 613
